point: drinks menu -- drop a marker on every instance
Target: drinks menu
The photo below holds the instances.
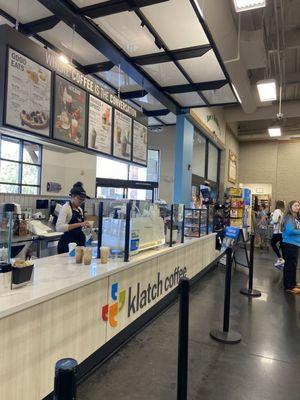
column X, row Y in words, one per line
column 122, row 135
column 139, row 143
column 100, row 125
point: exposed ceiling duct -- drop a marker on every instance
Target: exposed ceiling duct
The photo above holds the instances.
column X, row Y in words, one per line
column 218, row 16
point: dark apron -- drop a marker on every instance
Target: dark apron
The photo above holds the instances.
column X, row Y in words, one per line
column 75, row 235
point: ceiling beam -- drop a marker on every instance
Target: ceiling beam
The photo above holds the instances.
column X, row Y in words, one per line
column 212, row 85
column 154, row 58
column 136, row 94
column 179, row 54
column 98, row 39
column 116, row 6
column 40, row 25
column 156, row 113
column 98, row 67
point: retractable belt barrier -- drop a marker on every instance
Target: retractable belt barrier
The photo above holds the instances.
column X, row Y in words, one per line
column 250, row 292
column 65, row 379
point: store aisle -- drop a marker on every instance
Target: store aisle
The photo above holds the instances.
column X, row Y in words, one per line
column 265, row 365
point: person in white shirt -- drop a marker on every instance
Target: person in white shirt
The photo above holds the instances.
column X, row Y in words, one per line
column 71, row 221
column 276, row 241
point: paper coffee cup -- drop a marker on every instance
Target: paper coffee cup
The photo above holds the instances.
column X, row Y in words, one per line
column 72, row 247
column 104, row 252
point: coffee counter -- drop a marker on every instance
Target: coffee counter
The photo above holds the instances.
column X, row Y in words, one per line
column 74, row 310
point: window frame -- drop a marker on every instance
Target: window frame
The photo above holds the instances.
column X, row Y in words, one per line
column 131, row 184
column 21, row 163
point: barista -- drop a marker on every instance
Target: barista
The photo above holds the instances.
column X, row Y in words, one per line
column 71, row 221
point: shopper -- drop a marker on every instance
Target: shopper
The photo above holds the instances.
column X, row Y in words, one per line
column 262, row 225
column 290, row 246
column 276, row 241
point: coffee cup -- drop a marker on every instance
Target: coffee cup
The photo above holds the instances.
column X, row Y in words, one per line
column 104, row 252
column 87, row 256
column 79, row 254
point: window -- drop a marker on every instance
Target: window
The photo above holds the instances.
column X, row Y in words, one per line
column 123, row 172
column 199, row 149
column 20, row 166
column 213, row 157
column 112, row 169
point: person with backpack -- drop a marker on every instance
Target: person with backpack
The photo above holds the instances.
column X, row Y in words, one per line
column 276, row 241
column 290, row 246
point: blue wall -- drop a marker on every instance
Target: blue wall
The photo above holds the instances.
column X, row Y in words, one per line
column 183, row 158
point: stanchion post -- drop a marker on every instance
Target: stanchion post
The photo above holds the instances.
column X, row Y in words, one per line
column 207, row 219
column 182, row 226
column 250, row 292
column 227, row 335
column 171, row 225
column 127, row 232
column 65, row 379
column 183, row 336
column 100, row 226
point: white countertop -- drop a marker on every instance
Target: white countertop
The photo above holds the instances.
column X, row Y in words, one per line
column 60, row 274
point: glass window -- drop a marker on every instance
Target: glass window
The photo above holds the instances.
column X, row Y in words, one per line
column 137, row 173
column 139, row 194
column 153, row 166
column 10, row 149
column 111, row 169
column 213, row 156
column 9, row 171
column 110, row 193
column 20, row 166
column 199, row 146
column 31, row 153
column 30, row 174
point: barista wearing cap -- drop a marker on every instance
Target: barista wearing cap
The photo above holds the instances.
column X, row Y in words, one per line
column 71, row 221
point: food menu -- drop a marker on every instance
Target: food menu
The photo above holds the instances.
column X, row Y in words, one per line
column 122, row 135
column 139, row 143
column 69, row 112
column 28, row 94
column 100, row 125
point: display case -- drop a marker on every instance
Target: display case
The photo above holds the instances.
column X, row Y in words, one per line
column 128, row 227
column 6, row 225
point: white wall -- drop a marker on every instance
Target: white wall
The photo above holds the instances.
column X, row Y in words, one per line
column 165, row 142
column 67, row 169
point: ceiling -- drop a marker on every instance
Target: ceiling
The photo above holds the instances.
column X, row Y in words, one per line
column 270, row 48
column 158, row 54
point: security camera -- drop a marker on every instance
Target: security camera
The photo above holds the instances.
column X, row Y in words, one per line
column 280, row 116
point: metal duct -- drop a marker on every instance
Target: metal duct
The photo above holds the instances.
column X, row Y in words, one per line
column 218, row 17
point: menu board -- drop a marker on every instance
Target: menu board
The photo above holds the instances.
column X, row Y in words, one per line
column 28, row 94
column 122, row 135
column 69, row 112
column 140, row 143
column 100, row 125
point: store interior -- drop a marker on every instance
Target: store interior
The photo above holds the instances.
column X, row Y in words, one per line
column 171, row 114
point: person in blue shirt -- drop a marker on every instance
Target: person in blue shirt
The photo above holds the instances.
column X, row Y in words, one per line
column 291, row 244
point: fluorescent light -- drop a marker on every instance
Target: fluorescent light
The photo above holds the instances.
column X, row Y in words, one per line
column 274, row 131
column 245, row 5
column 267, row 90
column 236, row 93
column 64, row 59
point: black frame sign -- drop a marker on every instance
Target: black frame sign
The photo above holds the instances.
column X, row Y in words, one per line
column 100, row 125
column 139, row 143
column 28, row 94
column 69, row 118
column 43, row 96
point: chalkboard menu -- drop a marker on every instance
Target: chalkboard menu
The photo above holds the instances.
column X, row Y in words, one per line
column 139, row 149
column 100, row 125
column 122, row 135
column 28, row 94
column 69, row 112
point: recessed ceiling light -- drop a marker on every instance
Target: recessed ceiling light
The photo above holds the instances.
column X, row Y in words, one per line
column 245, row 5
column 64, row 59
column 275, row 131
column 267, row 90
